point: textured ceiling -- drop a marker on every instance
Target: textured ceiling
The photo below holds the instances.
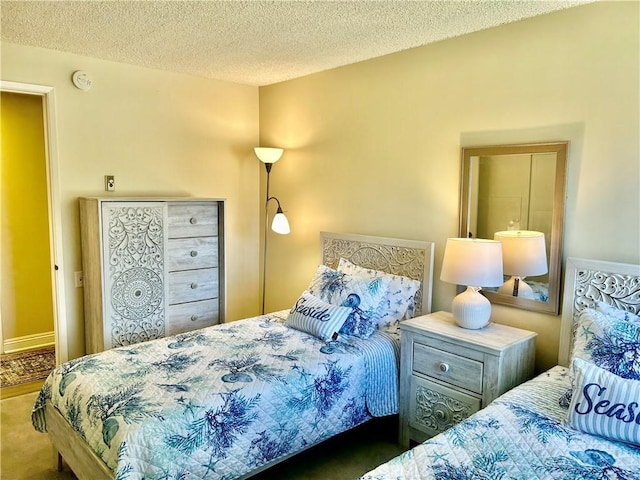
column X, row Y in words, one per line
column 252, row 42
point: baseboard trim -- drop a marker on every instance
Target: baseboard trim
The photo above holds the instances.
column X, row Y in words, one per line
column 38, row 340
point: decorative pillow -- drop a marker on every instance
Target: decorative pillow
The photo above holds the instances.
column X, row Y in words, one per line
column 363, row 296
column 610, row 343
column 611, row 311
column 604, row 404
column 399, row 303
column 607, row 342
column 321, row 319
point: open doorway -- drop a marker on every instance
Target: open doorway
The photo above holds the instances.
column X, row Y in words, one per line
column 33, row 307
column 26, row 303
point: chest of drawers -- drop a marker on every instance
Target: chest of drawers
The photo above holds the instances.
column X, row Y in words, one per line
column 447, row 372
column 152, row 268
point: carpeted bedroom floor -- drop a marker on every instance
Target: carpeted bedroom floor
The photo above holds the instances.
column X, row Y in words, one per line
column 28, row 455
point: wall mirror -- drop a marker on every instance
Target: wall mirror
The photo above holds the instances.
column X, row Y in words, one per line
column 519, row 191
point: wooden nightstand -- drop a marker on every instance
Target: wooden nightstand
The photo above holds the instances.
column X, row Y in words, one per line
column 448, row 372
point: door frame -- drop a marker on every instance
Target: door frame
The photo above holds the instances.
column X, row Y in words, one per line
column 55, row 213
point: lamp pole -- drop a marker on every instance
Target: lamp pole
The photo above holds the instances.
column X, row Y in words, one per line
column 266, row 231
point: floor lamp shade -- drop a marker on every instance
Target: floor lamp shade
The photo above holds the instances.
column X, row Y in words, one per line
column 268, row 154
column 524, row 254
column 475, row 263
column 280, row 224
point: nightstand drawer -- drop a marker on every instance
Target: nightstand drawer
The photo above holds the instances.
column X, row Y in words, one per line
column 434, row 408
column 447, row 367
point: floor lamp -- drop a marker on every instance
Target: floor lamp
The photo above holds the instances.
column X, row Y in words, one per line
column 280, row 224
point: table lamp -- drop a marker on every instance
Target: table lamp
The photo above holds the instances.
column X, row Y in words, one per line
column 476, row 263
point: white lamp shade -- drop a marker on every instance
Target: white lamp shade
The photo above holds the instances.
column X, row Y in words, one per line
column 472, row 262
column 280, row 224
column 524, row 253
column 268, row 154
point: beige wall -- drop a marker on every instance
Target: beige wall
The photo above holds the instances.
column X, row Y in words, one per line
column 160, row 134
column 374, row 148
column 27, row 307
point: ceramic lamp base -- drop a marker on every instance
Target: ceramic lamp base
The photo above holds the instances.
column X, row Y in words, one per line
column 471, row 309
column 522, row 291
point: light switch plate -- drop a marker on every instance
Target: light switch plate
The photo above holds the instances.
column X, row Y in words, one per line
column 110, row 183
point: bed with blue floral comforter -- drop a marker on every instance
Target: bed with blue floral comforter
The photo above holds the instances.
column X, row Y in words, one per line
column 222, row 401
column 520, row 436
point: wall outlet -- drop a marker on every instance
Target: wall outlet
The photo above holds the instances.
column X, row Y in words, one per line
column 78, row 279
column 110, row 183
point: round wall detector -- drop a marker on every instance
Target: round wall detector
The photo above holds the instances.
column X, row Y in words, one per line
column 81, row 80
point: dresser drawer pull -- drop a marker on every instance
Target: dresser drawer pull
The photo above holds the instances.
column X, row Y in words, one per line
column 444, row 367
column 194, row 317
column 193, row 253
column 193, row 220
column 194, row 285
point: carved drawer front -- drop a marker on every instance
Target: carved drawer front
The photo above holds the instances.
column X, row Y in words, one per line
column 448, row 367
column 190, row 253
column 192, row 220
column 184, row 317
column 193, row 285
column 434, row 408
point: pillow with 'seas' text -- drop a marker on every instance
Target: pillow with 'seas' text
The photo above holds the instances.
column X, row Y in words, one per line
column 317, row 317
column 604, row 404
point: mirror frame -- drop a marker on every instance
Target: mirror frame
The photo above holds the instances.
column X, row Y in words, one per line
column 552, row 306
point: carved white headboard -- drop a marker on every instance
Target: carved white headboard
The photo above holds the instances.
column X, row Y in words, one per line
column 588, row 281
column 408, row 258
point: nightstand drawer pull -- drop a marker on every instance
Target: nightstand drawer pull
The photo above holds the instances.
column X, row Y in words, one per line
column 444, row 367
column 193, row 286
column 194, row 317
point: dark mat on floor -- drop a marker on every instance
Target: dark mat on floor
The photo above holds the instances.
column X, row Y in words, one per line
column 27, row 366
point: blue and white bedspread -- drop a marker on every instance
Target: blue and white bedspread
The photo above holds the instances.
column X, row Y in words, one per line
column 222, row 401
column 522, row 436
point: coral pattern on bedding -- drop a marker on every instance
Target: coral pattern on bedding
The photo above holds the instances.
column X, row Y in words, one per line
column 521, row 435
column 608, row 342
column 399, row 302
column 365, row 296
column 222, row 401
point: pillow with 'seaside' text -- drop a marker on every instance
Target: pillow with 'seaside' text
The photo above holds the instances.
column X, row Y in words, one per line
column 317, row 317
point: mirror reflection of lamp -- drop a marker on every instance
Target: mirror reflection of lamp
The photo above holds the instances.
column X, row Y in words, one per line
column 476, row 263
column 524, row 254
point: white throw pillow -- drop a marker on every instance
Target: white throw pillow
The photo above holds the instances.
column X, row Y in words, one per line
column 317, row 317
column 400, row 299
column 604, row 404
column 617, row 313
